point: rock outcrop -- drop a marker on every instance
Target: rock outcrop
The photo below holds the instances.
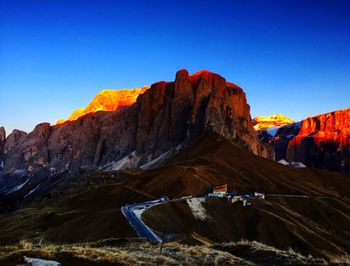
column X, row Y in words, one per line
column 166, row 117
column 107, row 100
column 2, row 138
column 276, row 120
column 321, row 141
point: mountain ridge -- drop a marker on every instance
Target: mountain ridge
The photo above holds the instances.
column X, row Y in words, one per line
column 317, row 225
column 321, row 141
column 166, row 117
column 107, row 100
column 274, row 120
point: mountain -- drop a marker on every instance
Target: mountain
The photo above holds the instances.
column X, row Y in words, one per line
column 275, row 120
column 66, row 183
column 321, row 141
column 317, row 224
column 164, row 119
column 107, row 100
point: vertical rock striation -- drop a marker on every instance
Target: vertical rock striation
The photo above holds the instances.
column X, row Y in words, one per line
column 322, row 141
column 167, row 116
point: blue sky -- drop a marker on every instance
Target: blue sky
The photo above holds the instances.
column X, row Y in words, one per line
column 290, row 57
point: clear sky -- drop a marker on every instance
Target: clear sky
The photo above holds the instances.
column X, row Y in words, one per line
column 290, row 57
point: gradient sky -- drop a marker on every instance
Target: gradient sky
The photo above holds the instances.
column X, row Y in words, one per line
column 290, row 57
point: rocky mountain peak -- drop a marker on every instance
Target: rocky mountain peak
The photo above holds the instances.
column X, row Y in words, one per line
column 321, row 141
column 161, row 121
column 265, row 122
column 107, row 100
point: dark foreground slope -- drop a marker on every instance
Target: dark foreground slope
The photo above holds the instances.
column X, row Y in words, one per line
column 319, row 226
column 121, row 252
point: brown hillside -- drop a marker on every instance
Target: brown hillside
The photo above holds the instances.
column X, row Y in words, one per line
column 95, row 214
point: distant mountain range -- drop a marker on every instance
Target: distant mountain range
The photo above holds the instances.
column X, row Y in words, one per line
column 66, row 183
column 144, row 127
column 276, row 120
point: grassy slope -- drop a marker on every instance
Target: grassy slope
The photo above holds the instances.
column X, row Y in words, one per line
column 279, row 223
column 138, row 253
column 95, row 214
column 320, row 226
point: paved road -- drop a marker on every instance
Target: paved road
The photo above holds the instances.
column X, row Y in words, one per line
column 297, row 196
column 131, row 214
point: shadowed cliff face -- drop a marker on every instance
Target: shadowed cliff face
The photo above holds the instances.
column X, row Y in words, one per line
column 2, row 138
column 321, row 141
column 165, row 118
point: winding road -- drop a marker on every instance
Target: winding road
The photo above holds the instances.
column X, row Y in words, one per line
column 133, row 214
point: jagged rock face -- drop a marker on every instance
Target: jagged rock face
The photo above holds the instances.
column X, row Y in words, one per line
column 281, row 139
column 321, row 141
column 167, row 115
column 2, row 138
column 27, row 152
column 107, row 100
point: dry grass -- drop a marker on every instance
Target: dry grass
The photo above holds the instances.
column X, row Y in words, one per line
column 343, row 260
column 129, row 254
column 261, row 254
column 145, row 253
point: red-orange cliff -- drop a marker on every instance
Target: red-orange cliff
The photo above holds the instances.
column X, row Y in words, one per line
column 164, row 119
column 329, row 127
column 321, row 141
column 107, row 100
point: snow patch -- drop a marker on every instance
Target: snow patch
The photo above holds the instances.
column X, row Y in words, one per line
column 283, row 161
column 297, row 165
column 19, row 172
column 273, row 130
column 197, row 208
column 160, row 159
column 31, row 191
column 292, row 164
column 40, row 262
column 18, row 187
column 128, row 161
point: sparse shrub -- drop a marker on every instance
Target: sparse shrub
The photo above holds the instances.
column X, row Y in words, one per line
column 344, row 259
column 25, row 244
column 141, row 253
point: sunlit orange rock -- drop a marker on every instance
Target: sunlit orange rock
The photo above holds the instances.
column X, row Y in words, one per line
column 332, row 128
column 107, row 100
column 271, row 121
column 166, row 118
column 321, row 141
